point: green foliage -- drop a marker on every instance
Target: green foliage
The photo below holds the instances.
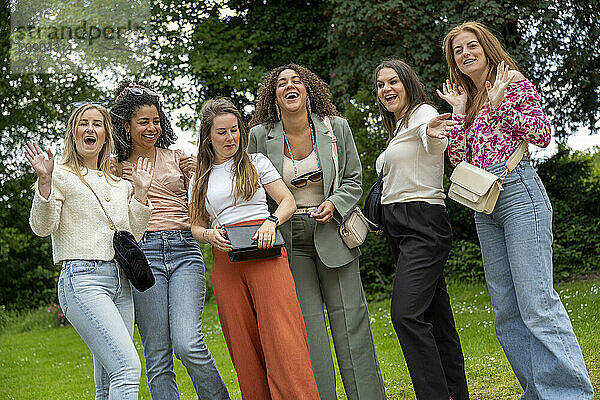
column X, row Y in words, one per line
column 554, row 43
column 377, row 268
column 224, row 48
column 574, row 190
column 464, row 262
column 33, row 107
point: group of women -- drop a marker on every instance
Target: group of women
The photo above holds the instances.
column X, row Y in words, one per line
column 280, row 175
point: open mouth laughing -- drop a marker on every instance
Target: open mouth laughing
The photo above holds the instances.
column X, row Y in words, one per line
column 292, row 96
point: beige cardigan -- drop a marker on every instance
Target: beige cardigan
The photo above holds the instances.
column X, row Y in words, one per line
column 72, row 215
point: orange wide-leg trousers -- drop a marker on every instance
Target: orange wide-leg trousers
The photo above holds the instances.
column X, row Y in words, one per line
column 263, row 327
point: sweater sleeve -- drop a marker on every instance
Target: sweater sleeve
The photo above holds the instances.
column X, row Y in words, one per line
column 45, row 213
column 139, row 214
column 422, row 116
column 457, row 145
column 521, row 115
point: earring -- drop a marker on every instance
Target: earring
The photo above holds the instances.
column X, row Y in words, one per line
column 308, row 106
column 128, row 135
column 277, row 111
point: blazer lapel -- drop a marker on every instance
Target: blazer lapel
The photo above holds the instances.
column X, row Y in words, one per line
column 275, row 147
column 324, row 152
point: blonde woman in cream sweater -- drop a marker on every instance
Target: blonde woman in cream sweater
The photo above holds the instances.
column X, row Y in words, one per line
column 418, row 232
column 92, row 290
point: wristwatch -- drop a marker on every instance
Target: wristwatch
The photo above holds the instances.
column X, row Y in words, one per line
column 273, row 218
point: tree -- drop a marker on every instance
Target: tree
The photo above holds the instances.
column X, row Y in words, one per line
column 33, row 107
column 224, row 48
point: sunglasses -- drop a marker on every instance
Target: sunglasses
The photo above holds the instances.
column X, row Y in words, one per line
column 302, row 180
column 78, row 104
column 138, row 91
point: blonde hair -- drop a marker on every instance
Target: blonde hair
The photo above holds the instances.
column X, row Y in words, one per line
column 244, row 172
column 494, row 52
column 72, row 159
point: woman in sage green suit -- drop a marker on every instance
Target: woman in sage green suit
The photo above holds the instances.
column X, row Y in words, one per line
column 289, row 127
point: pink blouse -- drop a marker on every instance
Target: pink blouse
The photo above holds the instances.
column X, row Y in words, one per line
column 496, row 134
column 168, row 191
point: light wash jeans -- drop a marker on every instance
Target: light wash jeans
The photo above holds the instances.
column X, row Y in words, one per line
column 96, row 298
column 531, row 323
column 169, row 317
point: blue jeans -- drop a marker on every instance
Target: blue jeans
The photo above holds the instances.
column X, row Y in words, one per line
column 96, row 298
column 531, row 323
column 169, row 317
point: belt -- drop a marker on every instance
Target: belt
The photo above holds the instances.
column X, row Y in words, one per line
column 306, row 210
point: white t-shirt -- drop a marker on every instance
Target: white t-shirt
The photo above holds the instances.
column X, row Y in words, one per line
column 221, row 188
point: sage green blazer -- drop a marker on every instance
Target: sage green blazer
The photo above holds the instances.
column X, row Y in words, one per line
column 329, row 245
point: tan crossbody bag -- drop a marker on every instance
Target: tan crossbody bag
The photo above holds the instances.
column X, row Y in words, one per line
column 355, row 228
column 477, row 188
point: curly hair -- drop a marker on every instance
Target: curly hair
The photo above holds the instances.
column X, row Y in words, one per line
column 126, row 104
column 317, row 90
column 244, row 172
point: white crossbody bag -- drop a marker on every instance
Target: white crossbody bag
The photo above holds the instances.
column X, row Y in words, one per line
column 477, row 188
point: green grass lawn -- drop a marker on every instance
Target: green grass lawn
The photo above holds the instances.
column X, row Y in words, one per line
column 53, row 363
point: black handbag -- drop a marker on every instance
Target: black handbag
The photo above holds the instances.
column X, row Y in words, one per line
column 246, row 249
column 133, row 260
column 373, row 209
column 128, row 254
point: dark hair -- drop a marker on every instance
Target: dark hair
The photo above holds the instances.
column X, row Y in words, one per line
column 317, row 90
column 415, row 95
column 126, row 106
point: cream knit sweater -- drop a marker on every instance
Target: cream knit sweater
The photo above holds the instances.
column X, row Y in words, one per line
column 72, row 215
column 414, row 162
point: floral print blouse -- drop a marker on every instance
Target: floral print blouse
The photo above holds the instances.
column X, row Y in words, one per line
column 496, row 134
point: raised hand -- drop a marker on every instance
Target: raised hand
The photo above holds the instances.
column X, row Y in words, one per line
column 455, row 96
column 43, row 165
column 503, row 79
column 41, row 161
column 439, row 127
column 141, row 176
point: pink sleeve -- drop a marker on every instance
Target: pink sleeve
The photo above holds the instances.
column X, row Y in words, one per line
column 521, row 115
column 457, row 148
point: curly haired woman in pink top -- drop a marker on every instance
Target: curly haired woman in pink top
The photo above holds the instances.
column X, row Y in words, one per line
column 498, row 109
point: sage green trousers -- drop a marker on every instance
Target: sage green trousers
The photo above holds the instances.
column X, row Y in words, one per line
column 340, row 289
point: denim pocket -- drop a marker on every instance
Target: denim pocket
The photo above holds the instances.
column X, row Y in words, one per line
column 78, row 267
column 189, row 239
column 543, row 191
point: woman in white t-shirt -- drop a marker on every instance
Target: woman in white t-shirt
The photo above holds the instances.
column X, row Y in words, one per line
column 418, row 232
column 258, row 309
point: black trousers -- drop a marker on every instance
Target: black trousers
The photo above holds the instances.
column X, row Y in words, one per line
column 419, row 236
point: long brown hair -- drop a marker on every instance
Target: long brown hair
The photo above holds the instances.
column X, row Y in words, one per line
column 72, row 159
column 415, row 95
column 244, row 172
column 494, row 52
column 317, row 90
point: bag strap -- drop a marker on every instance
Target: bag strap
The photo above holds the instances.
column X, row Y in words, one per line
column 515, row 158
column 112, row 224
column 214, row 211
column 334, row 152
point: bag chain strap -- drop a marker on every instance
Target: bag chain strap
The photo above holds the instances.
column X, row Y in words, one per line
column 112, row 225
